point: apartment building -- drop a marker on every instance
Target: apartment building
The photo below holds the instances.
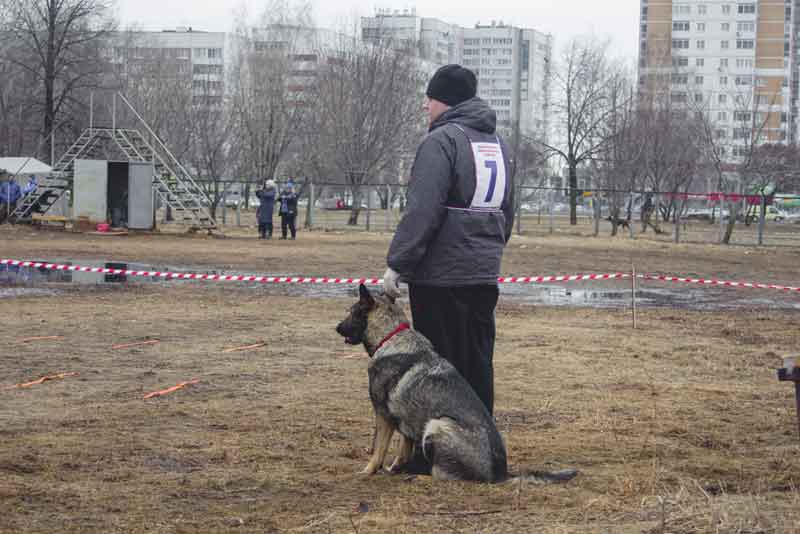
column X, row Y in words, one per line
column 735, row 60
column 183, row 52
column 512, row 63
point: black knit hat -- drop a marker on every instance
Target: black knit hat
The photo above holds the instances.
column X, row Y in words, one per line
column 452, row 85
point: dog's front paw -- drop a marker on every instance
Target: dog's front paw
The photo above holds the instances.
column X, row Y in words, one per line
column 369, row 470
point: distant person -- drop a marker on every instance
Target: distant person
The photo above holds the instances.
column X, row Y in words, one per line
column 10, row 193
column 266, row 197
column 647, row 214
column 288, row 210
column 30, row 186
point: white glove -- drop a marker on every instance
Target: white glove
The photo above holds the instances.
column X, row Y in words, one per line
column 391, row 283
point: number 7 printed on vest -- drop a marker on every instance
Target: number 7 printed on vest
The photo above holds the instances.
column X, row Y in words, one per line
column 490, row 179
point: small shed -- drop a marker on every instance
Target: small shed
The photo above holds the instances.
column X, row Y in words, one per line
column 119, row 193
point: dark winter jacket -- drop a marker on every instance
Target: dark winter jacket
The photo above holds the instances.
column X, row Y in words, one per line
column 449, row 235
column 9, row 192
column 288, row 204
column 267, row 199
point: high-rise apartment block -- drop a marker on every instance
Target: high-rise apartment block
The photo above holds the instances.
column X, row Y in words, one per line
column 195, row 55
column 736, row 61
column 512, row 64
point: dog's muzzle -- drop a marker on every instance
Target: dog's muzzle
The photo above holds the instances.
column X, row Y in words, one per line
column 349, row 338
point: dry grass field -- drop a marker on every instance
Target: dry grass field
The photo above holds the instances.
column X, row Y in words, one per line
column 679, row 426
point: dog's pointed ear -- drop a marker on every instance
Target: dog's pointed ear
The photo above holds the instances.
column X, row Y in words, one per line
column 365, row 296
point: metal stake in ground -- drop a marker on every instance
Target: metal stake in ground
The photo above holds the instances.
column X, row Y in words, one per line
column 791, row 373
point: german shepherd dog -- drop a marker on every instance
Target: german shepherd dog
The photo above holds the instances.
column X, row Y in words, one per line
column 422, row 396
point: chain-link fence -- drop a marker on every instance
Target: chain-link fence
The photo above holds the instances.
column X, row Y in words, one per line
column 544, row 211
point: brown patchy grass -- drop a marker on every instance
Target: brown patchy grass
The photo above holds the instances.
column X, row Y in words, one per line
column 679, row 426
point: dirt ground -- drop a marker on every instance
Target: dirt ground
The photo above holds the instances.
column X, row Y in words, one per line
column 679, row 426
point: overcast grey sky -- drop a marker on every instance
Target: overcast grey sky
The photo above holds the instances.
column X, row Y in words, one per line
column 617, row 19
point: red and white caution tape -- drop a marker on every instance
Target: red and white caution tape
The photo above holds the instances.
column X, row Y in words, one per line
column 378, row 281
column 193, row 276
column 569, row 278
column 724, row 283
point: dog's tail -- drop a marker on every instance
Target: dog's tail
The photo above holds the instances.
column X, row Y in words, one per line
column 544, row 477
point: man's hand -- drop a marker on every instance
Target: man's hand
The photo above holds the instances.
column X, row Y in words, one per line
column 391, row 283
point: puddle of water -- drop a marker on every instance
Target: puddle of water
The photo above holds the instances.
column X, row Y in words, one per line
column 23, row 281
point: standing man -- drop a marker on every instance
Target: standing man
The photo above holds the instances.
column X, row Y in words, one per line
column 266, row 199
column 288, row 210
column 459, row 217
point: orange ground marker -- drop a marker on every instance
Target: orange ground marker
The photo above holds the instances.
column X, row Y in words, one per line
column 41, row 338
column 172, row 389
column 130, row 345
column 43, row 380
column 248, row 347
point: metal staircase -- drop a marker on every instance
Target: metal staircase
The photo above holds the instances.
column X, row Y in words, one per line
column 173, row 183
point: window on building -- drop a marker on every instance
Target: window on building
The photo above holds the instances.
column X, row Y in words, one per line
column 743, row 80
column 678, row 98
column 698, row 97
column 747, row 9
column 746, row 27
column 723, row 62
column 680, row 43
column 680, row 61
column 680, row 79
column 744, row 63
column 722, row 99
column 744, row 44
column 741, row 133
column 214, row 53
column 723, row 80
column 726, row 9
column 701, row 44
column 724, row 44
column 698, row 80
column 725, row 26
column 720, row 134
column 702, row 9
column 722, row 115
column 742, row 116
column 680, row 26
column 701, row 26
column 699, row 62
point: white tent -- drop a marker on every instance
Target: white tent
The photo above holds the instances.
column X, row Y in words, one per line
column 24, row 166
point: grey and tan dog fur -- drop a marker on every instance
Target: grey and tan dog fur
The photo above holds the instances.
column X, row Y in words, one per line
column 422, row 396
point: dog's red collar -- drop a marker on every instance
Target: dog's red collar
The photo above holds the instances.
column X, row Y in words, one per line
column 402, row 327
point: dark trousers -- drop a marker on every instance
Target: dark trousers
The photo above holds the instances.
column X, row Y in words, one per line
column 265, row 229
column 459, row 321
column 287, row 221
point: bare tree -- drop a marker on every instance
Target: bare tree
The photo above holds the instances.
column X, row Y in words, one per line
column 367, row 111
column 581, row 107
column 618, row 163
column 58, row 44
column 158, row 82
column 268, row 82
column 671, row 155
column 752, row 128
